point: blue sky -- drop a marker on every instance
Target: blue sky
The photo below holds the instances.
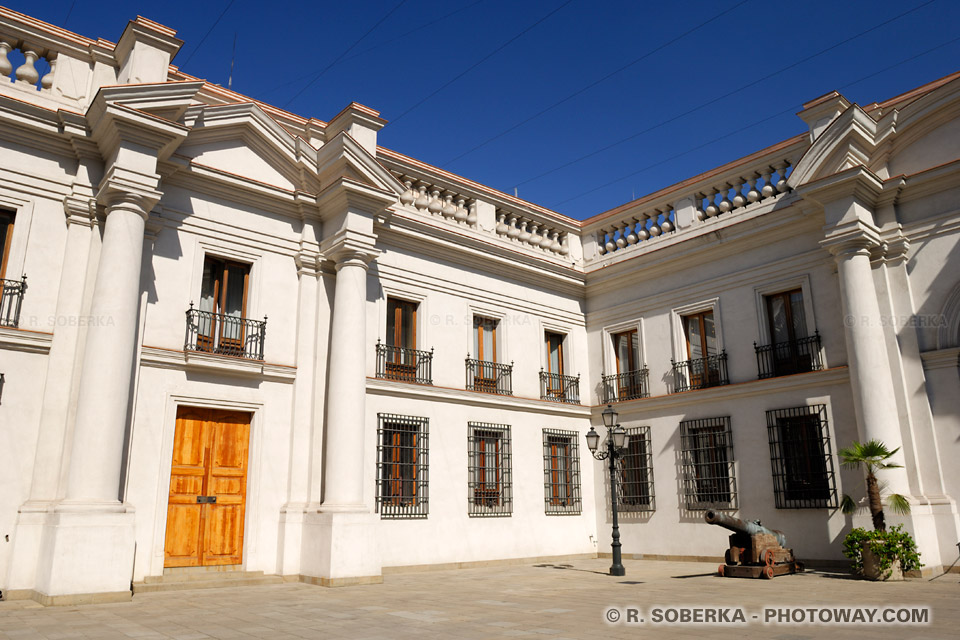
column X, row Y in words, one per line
column 453, row 75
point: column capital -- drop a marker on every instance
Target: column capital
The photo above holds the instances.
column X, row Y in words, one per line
column 80, row 210
column 308, row 262
column 851, row 239
column 131, row 190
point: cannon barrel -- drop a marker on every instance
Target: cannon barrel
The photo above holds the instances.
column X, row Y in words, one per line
column 737, row 525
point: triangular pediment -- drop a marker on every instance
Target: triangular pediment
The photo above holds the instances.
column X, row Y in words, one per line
column 342, row 156
column 849, row 141
column 243, row 140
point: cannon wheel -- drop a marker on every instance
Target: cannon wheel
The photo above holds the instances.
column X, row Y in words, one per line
column 720, row 571
column 768, row 558
column 767, row 573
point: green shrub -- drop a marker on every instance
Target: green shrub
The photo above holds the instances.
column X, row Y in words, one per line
column 887, row 545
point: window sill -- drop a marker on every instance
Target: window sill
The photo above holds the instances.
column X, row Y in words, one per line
column 211, row 362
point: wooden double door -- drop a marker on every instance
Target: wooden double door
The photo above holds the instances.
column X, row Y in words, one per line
column 208, row 488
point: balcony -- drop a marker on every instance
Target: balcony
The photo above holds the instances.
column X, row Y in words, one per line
column 557, row 387
column 489, row 377
column 700, row 373
column 224, row 335
column 404, row 365
column 11, row 297
column 786, row 358
column 625, row 386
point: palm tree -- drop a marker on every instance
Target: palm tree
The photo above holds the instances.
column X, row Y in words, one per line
column 875, row 456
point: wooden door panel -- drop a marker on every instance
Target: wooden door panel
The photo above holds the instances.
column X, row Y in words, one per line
column 209, row 459
column 227, row 481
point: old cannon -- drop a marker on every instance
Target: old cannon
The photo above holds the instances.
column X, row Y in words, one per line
column 755, row 551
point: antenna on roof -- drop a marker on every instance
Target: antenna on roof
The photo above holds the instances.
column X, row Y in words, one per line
column 515, row 192
column 233, row 56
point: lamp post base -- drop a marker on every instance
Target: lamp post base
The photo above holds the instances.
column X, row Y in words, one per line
column 617, row 570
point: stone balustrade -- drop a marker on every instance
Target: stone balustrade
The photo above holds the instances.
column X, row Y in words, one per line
column 753, row 186
column 644, row 226
column 438, row 201
column 756, row 181
column 531, row 232
column 38, row 64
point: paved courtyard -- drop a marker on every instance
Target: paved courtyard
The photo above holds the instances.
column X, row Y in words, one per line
column 557, row 600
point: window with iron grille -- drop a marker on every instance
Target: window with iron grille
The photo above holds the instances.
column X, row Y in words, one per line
column 561, row 472
column 402, row 488
column 489, row 483
column 636, row 473
column 801, row 458
column 707, row 458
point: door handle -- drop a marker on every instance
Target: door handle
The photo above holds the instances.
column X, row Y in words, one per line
column 207, row 499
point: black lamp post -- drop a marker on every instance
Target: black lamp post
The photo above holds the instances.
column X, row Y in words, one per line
column 617, row 442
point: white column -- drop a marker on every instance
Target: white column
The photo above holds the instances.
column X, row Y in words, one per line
column 97, row 452
column 873, row 392
column 346, row 386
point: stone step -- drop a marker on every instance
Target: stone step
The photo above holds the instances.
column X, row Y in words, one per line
column 192, row 574
column 244, row 579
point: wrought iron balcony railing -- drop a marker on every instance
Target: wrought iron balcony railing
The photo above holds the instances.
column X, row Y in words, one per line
column 625, row 386
column 225, row 335
column 11, row 297
column 557, row 387
column 489, row 377
column 700, row 373
column 404, row 365
column 785, row 358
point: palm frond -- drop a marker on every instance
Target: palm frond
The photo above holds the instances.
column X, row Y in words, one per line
column 848, row 505
column 898, row 503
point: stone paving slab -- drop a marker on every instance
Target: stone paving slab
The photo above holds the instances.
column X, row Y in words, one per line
column 534, row 601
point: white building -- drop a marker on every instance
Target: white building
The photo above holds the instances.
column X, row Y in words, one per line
column 241, row 338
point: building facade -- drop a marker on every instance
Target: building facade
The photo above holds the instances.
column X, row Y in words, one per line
column 234, row 337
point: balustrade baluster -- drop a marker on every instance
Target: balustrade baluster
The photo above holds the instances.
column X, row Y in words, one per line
column 632, row 235
column 739, row 199
column 782, row 171
column 611, row 242
column 712, row 209
column 564, row 248
column 27, row 72
column 753, row 195
column 502, row 223
column 6, row 68
column 555, row 242
column 621, row 235
column 448, row 208
column 435, row 205
column 461, row 214
column 47, row 80
column 725, row 204
column 524, row 233
column 408, row 196
column 601, row 242
column 514, row 231
column 655, row 224
column 545, row 241
column 472, row 213
column 667, row 225
column 534, row 238
column 422, row 199
column 768, row 188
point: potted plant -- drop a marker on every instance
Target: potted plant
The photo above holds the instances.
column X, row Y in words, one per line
column 877, row 554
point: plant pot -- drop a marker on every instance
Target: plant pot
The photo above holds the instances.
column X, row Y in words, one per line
column 871, row 566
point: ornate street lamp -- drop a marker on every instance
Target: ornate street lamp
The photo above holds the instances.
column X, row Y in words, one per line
column 617, row 442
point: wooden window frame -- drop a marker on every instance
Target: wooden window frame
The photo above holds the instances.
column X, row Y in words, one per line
column 11, row 218
column 402, row 466
column 561, row 470
column 215, row 341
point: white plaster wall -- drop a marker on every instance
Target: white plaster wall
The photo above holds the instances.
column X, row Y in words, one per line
column 942, row 388
column 449, row 534
column 148, row 483
column 932, row 149
column 19, row 423
column 671, row 530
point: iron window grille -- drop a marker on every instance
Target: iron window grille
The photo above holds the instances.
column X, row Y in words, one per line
column 11, row 299
column 561, row 472
column 404, row 365
column 402, row 484
column 225, row 334
column 2, row 380
column 700, row 373
column 803, row 476
column 625, row 386
column 708, row 473
column 490, row 474
column 489, row 377
column 635, row 490
column 557, row 387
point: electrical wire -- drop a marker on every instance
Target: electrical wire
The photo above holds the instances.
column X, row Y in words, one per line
column 348, row 50
column 722, row 97
column 595, row 83
column 404, row 35
column 791, row 109
column 209, row 31
column 480, row 61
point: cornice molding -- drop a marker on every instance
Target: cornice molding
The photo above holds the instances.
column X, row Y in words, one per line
column 941, row 359
column 160, row 358
column 738, row 390
column 25, row 340
column 376, row 386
